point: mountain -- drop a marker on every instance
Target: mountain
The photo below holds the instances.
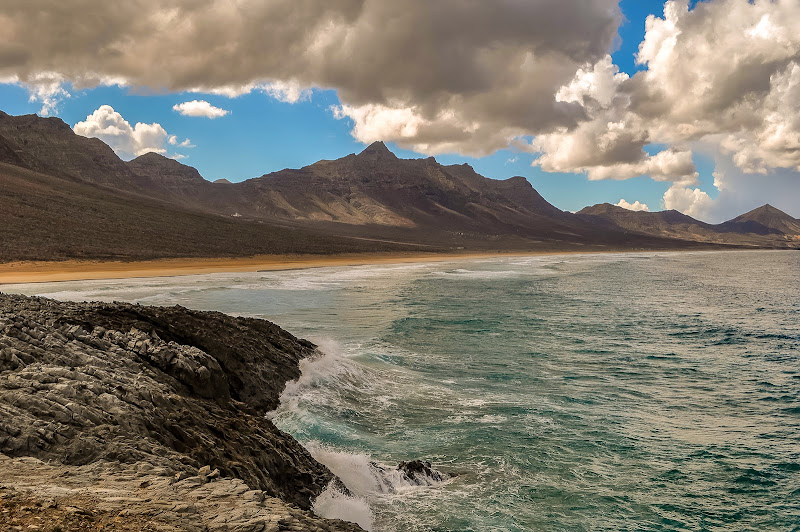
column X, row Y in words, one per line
column 764, row 220
column 169, row 179
column 762, row 227
column 668, row 224
column 48, row 145
column 63, row 195
column 375, row 194
column 45, row 217
column 376, row 187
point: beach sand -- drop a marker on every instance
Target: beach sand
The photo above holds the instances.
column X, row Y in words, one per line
column 74, row 270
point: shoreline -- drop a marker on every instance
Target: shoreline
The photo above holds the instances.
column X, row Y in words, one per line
column 26, row 272
column 30, row 272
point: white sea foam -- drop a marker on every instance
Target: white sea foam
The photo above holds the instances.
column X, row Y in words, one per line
column 332, row 278
column 330, row 365
column 366, row 480
column 462, row 273
column 492, row 419
column 472, row 402
column 364, row 476
column 334, row 504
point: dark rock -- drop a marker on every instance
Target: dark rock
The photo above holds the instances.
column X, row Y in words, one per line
column 168, row 388
column 421, row 472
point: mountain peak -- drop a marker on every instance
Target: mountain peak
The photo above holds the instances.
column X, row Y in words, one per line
column 764, row 220
column 154, row 158
column 151, row 156
column 767, row 208
column 377, row 150
column 764, row 213
column 163, row 169
column 600, row 208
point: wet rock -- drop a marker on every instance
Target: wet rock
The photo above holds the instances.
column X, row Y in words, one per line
column 420, row 472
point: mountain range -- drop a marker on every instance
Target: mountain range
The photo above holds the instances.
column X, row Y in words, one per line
column 67, row 196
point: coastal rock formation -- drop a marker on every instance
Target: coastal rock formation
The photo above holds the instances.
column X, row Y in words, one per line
column 165, row 405
column 35, row 495
column 421, row 473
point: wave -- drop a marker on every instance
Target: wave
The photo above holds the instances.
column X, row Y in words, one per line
column 362, row 480
column 330, row 364
column 365, row 481
column 461, row 273
column 334, row 503
column 330, row 277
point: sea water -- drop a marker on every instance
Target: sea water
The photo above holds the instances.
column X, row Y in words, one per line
column 652, row 391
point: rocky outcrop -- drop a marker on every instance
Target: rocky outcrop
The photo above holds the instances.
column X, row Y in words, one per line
column 167, row 393
column 421, row 473
column 128, row 497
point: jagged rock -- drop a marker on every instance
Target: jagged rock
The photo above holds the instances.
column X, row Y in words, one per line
column 420, row 472
column 166, row 395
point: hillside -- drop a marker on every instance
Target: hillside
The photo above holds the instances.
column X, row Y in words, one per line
column 66, row 196
column 43, row 217
column 49, row 146
column 763, row 221
column 762, row 227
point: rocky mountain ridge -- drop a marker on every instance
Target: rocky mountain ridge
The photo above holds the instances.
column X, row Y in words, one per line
column 367, row 201
column 764, row 220
column 765, row 226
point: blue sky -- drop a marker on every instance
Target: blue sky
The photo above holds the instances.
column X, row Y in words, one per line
column 261, row 134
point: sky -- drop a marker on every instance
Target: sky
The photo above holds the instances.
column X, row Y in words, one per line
column 642, row 103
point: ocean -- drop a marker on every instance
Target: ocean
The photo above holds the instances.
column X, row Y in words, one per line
column 641, row 391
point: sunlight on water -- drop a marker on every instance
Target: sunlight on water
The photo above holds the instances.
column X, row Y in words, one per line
column 597, row 392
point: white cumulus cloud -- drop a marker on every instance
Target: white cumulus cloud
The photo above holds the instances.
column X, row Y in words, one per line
column 199, row 108
column 127, row 141
column 635, row 206
column 691, row 201
column 186, row 143
column 724, row 74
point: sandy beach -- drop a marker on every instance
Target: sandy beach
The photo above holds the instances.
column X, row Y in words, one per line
column 73, row 270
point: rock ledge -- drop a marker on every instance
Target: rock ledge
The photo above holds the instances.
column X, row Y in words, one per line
column 149, row 417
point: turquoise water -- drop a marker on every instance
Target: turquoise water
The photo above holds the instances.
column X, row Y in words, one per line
column 656, row 391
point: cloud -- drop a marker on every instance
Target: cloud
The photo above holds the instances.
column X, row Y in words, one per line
column 691, row 201
column 463, row 77
column 47, row 88
column 748, row 101
column 687, row 98
column 199, row 108
column 286, row 91
column 126, row 140
column 635, row 206
column 186, row 143
column 610, row 143
column 472, row 74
